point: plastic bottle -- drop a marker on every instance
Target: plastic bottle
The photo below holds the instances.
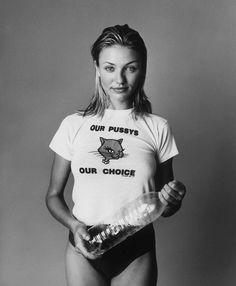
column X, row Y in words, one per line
column 127, row 221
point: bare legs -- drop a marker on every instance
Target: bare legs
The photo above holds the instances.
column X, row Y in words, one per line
column 141, row 272
column 79, row 272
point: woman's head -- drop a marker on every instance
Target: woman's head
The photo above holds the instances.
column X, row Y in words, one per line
column 124, row 38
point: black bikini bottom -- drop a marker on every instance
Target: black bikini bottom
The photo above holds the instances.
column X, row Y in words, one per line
column 114, row 261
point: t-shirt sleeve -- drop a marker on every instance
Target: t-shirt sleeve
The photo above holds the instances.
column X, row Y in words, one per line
column 167, row 146
column 61, row 142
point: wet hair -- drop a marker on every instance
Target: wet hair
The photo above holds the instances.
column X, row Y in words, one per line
column 126, row 37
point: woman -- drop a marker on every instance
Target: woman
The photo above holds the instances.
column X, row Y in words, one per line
column 116, row 149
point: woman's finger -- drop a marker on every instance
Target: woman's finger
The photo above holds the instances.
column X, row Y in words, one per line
column 173, row 194
column 178, row 187
column 169, row 196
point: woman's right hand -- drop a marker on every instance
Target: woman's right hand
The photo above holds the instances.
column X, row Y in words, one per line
column 80, row 235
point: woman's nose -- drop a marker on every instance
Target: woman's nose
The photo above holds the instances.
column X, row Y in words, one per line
column 120, row 78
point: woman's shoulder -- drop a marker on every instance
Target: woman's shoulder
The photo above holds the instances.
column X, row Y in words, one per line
column 156, row 119
column 74, row 120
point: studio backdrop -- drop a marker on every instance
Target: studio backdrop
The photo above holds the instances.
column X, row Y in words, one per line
column 46, row 73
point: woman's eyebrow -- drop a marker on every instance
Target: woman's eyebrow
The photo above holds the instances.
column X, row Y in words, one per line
column 109, row 63
column 135, row 61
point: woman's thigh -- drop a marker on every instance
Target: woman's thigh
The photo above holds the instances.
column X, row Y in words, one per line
column 141, row 272
column 79, row 272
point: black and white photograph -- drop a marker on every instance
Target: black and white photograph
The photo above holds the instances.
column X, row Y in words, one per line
column 118, row 143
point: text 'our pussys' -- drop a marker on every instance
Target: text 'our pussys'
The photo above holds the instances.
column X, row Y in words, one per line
column 114, row 129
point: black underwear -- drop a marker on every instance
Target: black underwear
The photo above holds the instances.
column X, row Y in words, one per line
column 114, row 261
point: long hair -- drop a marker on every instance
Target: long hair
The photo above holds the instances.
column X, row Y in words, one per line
column 127, row 37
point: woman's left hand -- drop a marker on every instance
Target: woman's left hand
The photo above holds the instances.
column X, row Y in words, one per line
column 172, row 195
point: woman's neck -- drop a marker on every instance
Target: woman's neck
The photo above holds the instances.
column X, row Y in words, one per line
column 120, row 105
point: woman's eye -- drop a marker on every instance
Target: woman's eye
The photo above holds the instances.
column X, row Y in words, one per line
column 109, row 69
column 131, row 69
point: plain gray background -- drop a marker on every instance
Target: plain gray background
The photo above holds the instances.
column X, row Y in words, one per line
column 46, row 73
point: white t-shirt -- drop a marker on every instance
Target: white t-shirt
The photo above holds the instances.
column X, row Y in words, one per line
column 113, row 159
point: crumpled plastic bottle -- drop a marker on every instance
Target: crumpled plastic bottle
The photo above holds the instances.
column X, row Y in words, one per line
column 128, row 220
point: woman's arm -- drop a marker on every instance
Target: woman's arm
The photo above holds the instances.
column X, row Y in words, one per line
column 172, row 191
column 56, row 203
column 55, row 195
column 165, row 173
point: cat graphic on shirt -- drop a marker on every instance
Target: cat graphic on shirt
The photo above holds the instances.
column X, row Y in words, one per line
column 110, row 149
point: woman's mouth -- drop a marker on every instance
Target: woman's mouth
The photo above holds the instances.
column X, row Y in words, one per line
column 119, row 89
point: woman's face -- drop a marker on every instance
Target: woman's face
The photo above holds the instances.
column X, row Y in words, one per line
column 120, row 70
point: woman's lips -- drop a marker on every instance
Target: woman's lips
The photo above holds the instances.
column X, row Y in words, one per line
column 119, row 89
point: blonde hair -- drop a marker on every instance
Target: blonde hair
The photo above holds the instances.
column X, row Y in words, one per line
column 127, row 37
